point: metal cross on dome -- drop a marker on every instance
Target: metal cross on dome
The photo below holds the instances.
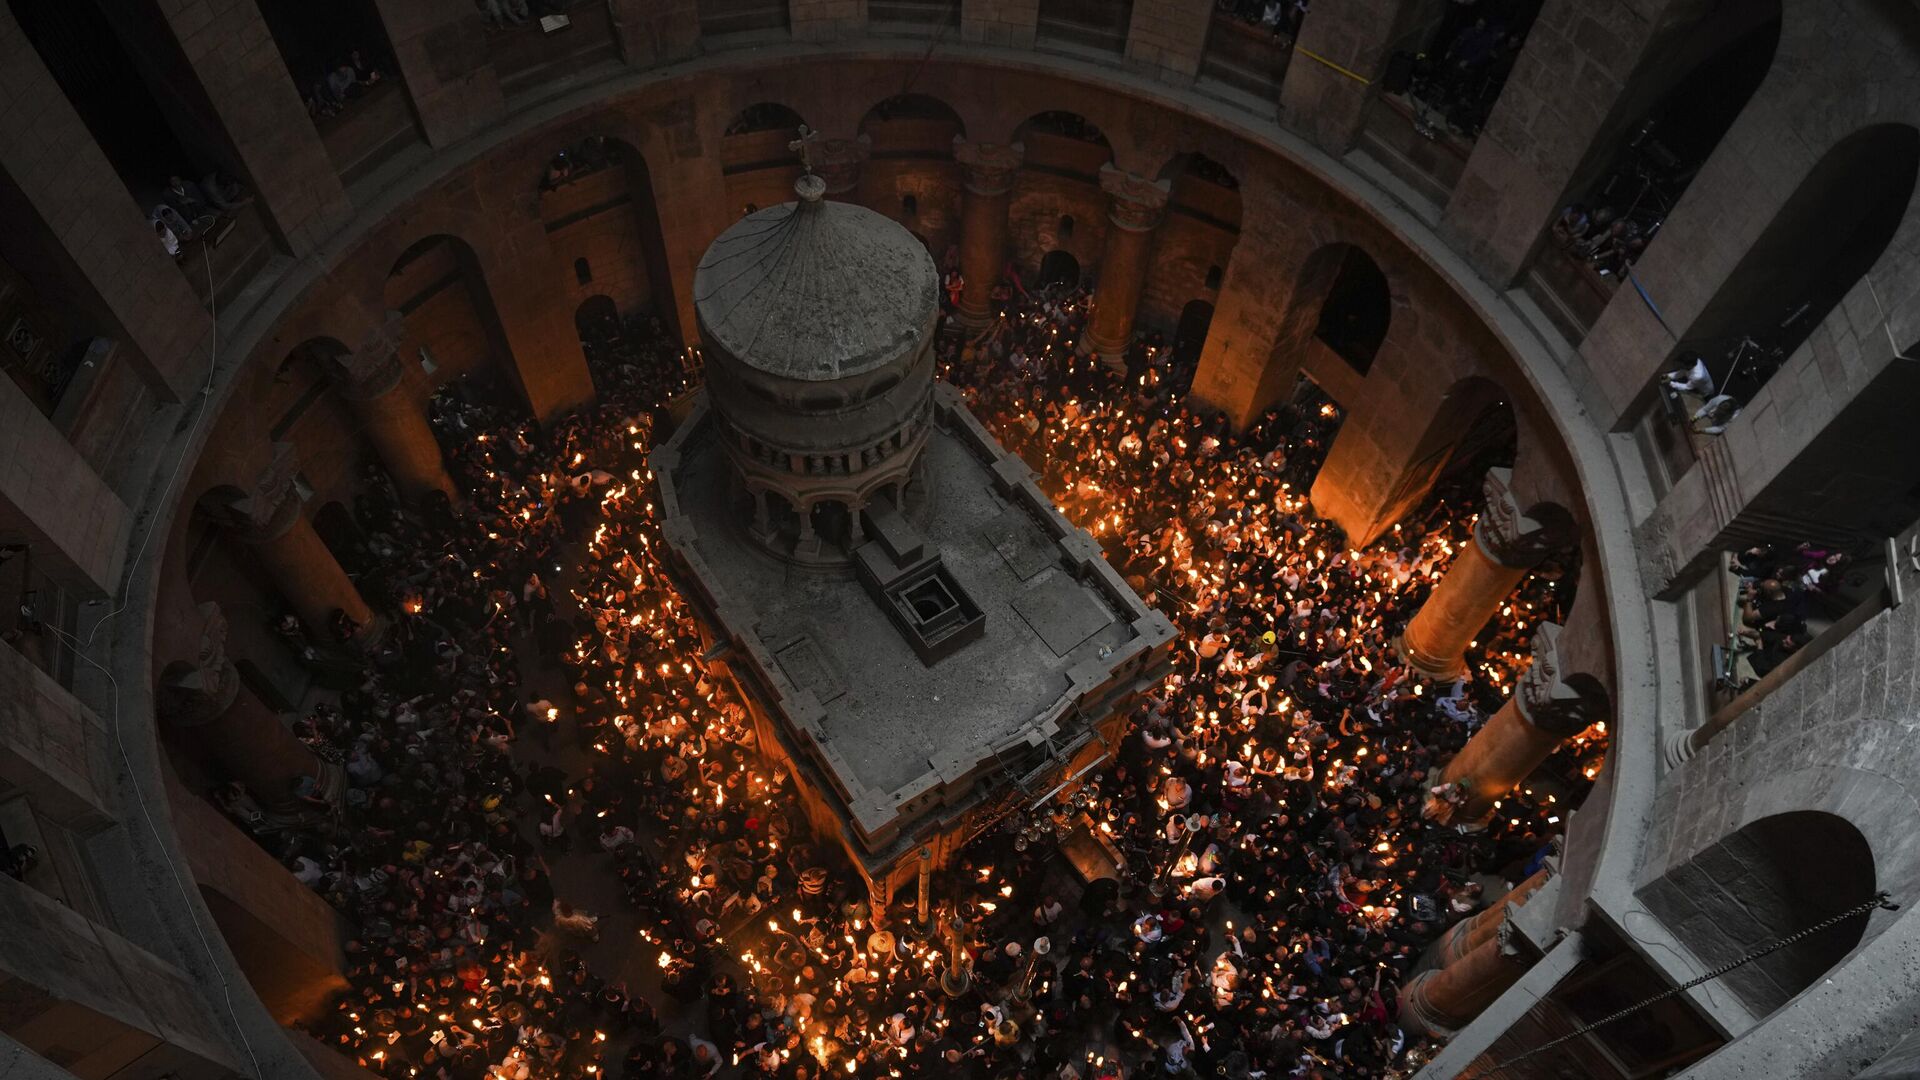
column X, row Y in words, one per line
column 804, row 147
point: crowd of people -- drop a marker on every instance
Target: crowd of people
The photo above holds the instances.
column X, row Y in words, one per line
column 347, row 78
column 1780, row 590
column 1459, row 76
column 541, row 702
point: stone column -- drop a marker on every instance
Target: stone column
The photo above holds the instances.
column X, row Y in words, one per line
column 987, row 172
column 1543, row 711
column 1441, row 1001
column 838, row 161
column 1470, row 933
column 204, row 696
column 1133, row 212
column 1506, row 544
column 373, row 380
column 306, row 573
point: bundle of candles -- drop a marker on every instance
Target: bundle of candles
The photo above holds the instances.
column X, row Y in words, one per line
column 1275, row 880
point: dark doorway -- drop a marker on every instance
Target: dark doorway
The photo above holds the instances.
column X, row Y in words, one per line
column 595, row 315
column 1190, row 335
column 1059, row 268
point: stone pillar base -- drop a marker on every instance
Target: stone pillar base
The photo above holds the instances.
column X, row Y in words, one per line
column 1443, row 669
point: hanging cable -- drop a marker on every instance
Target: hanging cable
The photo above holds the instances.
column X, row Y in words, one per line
column 1880, row 900
column 202, row 405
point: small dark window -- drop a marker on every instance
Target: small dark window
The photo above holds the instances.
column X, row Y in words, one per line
column 1066, row 226
column 909, row 205
column 1213, row 277
column 582, row 271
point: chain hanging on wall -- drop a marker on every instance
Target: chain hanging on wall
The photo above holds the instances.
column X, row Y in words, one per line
column 1880, row 900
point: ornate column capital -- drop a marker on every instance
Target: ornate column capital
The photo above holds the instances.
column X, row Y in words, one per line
column 194, row 692
column 838, row 161
column 273, row 502
column 988, row 168
column 1544, row 697
column 1504, row 533
column 1137, row 203
column 374, row 367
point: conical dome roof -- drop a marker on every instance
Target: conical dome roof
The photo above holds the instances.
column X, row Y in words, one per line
column 815, row 290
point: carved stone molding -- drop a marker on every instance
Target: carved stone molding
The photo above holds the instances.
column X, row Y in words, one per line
column 988, row 168
column 838, row 161
column 374, row 368
column 1504, row 533
column 273, row 502
column 1137, row 204
column 1544, row 697
column 194, row 692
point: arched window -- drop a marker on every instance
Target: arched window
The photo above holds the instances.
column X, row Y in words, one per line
column 909, row 205
column 1214, row 274
column 1066, row 226
column 582, row 271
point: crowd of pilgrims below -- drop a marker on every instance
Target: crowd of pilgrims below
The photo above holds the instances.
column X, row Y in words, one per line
column 1269, row 943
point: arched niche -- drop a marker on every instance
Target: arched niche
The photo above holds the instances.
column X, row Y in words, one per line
column 437, row 285
column 341, row 534
column 1768, row 879
column 1059, row 185
column 1683, row 99
column 912, row 126
column 597, row 202
column 1199, row 232
column 1059, row 268
column 1355, row 306
column 910, row 157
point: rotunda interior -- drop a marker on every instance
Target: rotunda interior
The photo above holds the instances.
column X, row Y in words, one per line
column 1044, row 539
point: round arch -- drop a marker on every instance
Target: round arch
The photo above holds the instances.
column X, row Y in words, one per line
column 1059, row 267
column 912, row 125
column 602, row 219
column 1783, row 873
column 438, row 286
column 1697, row 83
column 1060, row 138
column 1355, row 306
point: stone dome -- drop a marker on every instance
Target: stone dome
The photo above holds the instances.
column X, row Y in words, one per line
column 815, row 290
